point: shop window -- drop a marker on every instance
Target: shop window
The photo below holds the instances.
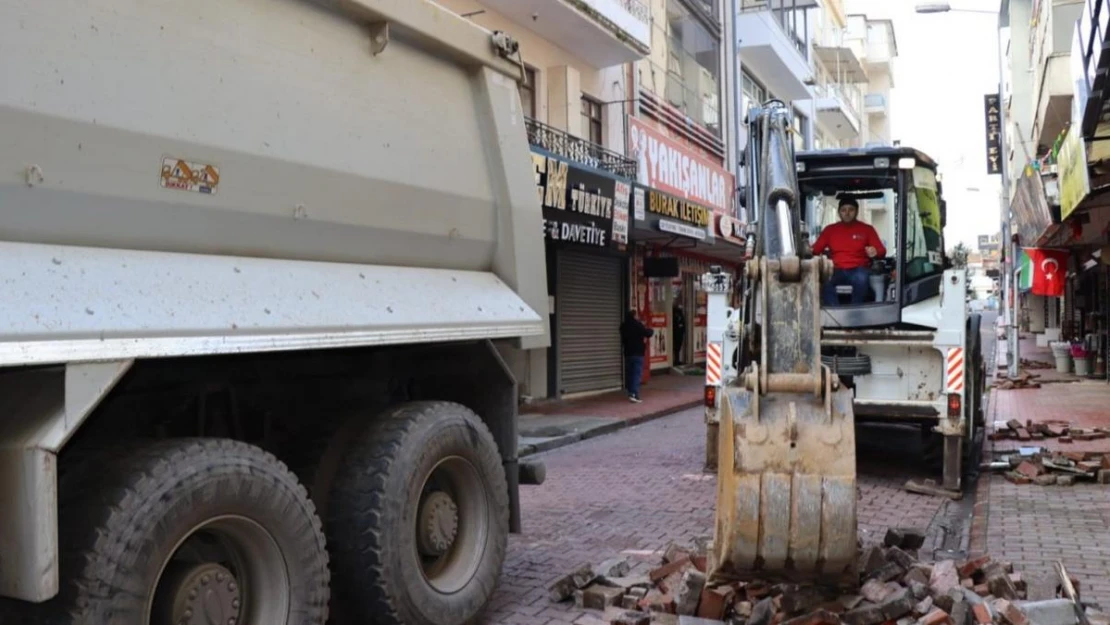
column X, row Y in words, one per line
column 591, row 120
column 528, row 93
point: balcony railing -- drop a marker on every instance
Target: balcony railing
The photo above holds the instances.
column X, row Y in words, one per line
column 874, row 102
column 579, row 150
column 792, row 16
column 638, row 9
column 845, row 95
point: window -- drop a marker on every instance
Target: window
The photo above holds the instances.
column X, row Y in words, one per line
column 924, row 239
column 591, row 120
column 751, row 93
column 799, row 124
column 528, row 93
column 693, row 67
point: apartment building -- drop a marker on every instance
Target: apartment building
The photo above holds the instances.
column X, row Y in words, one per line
column 578, row 57
column 1054, row 80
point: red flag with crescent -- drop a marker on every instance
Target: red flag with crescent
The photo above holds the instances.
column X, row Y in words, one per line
column 1049, row 268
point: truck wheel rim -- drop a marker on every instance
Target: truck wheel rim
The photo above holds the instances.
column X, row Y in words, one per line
column 226, row 570
column 452, row 524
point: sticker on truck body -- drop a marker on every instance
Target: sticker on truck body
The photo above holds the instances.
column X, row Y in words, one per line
column 189, row 176
column 713, row 364
column 955, row 370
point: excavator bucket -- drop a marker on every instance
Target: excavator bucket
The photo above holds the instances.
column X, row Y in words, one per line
column 786, row 498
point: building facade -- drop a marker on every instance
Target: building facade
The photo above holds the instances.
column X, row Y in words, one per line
column 1053, row 91
column 636, row 112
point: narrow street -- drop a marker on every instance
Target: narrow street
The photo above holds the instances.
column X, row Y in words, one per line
column 631, row 492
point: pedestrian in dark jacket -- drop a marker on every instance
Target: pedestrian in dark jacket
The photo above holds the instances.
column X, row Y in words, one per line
column 634, row 334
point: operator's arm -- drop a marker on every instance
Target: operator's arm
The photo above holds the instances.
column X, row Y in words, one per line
column 877, row 243
column 648, row 332
column 822, row 241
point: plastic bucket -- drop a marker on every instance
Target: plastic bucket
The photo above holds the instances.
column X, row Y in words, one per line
column 1082, row 366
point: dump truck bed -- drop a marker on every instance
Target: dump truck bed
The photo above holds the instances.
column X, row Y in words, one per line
column 194, row 135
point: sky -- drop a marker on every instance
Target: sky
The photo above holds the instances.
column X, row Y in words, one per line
column 946, row 63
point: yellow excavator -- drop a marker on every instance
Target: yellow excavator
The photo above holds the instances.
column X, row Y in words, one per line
column 787, row 377
column 786, row 499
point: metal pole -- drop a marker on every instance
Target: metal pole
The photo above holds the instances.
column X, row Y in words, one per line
column 1010, row 315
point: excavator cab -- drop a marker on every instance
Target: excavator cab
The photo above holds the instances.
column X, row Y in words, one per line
column 899, row 194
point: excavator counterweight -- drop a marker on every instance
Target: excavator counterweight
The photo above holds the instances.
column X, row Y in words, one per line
column 786, row 499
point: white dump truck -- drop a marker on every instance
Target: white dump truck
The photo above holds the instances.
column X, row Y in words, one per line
column 273, row 272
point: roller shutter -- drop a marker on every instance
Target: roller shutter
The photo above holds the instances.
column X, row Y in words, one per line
column 588, row 313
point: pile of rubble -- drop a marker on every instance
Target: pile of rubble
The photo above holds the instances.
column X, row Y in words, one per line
column 894, row 588
column 1035, row 364
column 1046, row 468
column 1024, row 380
column 1060, row 430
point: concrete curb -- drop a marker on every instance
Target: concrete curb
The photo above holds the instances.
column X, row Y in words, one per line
column 607, row 428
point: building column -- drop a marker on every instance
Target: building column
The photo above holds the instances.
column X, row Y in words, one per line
column 564, row 99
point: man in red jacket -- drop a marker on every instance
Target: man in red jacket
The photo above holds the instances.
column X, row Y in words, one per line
column 853, row 244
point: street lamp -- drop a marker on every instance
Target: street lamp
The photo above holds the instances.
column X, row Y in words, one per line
column 1009, row 312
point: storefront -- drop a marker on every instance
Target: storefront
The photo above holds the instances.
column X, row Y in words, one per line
column 585, row 215
column 677, row 234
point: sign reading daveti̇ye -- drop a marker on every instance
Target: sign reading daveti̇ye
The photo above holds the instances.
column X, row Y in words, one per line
column 674, row 168
column 993, row 118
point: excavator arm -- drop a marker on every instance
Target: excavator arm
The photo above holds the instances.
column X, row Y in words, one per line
column 786, row 500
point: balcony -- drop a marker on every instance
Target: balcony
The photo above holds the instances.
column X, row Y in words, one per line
column 1051, row 41
column 602, row 33
column 875, row 104
column 876, row 39
column 579, row 150
column 837, row 111
column 772, row 44
column 841, row 62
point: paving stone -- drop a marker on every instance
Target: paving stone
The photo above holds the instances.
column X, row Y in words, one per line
column 689, row 592
column 945, row 577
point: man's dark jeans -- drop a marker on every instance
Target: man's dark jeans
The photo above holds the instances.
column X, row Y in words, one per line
column 859, row 279
column 633, row 373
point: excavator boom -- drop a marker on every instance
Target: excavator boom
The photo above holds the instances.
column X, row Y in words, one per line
column 786, row 499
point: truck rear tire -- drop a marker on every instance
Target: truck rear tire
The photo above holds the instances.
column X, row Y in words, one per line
column 418, row 518
column 190, row 530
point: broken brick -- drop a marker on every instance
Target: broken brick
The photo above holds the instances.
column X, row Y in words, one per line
column 714, row 602
column 1017, row 478
column 982, row 614
column 1044, row 480
column 919, row 590
column 599, row 597
column 798, row 600
column 667, row 569
column 1104, row 476
column 764, row 611
column 1065, row 480
column 818, row 617
column 887, row 572
column 971, row 567
column 901, row 558
column 850, row 601
column 674, row 553
column 874, row 591
column 982, row 589
column 656, row 601
column 1064, row 439
column 961, row 613
column 863, row 615
column 898, row 605
column 944, row 577
column 967, row 583
column 916, row 574
column 1011, row 613
column 871, row 559
column 1022, row 434
column 944, row 602
column 629, row 617
column 936, row 617
column 923, row 606
column 689, row 592
column 1029, row 470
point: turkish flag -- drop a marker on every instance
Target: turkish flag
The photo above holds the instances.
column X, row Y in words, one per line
column 1049, row 267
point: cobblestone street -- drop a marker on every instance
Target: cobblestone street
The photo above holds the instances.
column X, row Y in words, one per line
column 632, row 492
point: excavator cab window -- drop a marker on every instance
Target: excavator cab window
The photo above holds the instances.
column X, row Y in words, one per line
column 877, row 197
